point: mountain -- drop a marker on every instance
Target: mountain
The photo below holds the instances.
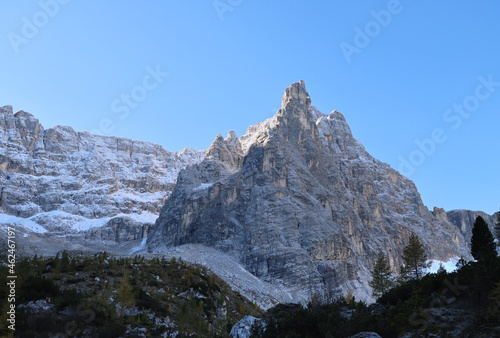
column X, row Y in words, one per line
column 300, row 203
column 64, row 189
column 464, row 220
column 296, row 201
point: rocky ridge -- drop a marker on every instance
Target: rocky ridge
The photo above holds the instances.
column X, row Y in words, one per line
column 83, row 188
column 299, row 202
column 464, row 220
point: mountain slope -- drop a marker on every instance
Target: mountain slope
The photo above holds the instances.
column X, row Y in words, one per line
column 300, row 203
column 63, row 183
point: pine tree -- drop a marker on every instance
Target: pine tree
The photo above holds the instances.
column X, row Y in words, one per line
column 414, row 258
column 441, row 270
column 65, row 261
column 382, row 279
column 495, row 297
column 497, row 228
column 57, row 265
column 482, row 244
column 125, row 294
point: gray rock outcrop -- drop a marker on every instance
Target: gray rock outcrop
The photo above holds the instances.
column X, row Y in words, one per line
column 243, row 328
column 299, row 202
column 464, row 220
column 119, row 230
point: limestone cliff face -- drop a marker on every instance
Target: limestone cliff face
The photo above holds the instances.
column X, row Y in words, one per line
column 61, row 181
column 299, row 202
column 464, row 221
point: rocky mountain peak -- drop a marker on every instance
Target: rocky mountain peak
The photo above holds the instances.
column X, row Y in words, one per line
column 440, row 214
column 22, row 113
column 231, row 136
column 296, row 95
column 6, row 109
column 299, row 202
column 294, row 120
column 226, row 150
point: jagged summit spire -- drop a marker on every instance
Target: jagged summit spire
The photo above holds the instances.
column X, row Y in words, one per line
column 294, row 116
column 296, row 94
column 304, row 194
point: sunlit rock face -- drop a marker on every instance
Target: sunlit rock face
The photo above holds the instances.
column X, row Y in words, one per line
column 299, row 202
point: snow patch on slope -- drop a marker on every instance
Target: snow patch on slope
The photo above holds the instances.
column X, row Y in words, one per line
column 27, row 224
column 449, row 266
column 60, row 220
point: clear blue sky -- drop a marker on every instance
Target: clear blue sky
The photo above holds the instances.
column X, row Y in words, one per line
column 396, row 80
